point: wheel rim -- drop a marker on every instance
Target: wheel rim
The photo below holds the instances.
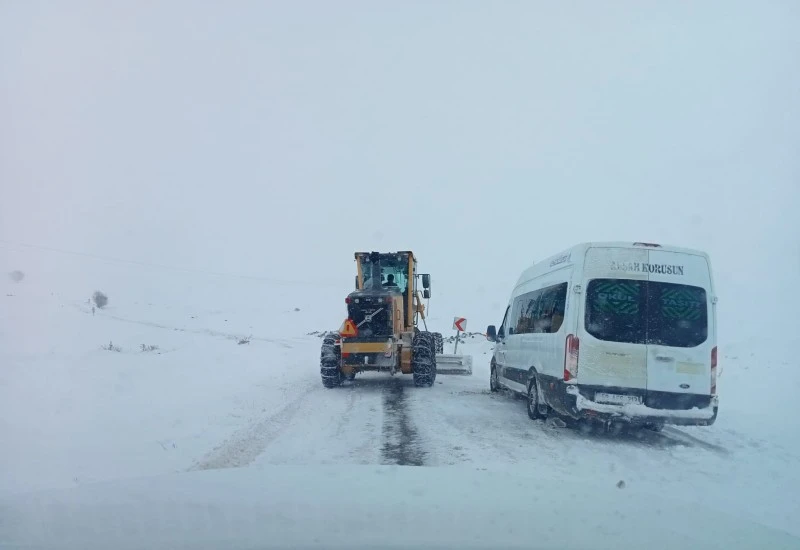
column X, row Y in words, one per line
column 533, row 397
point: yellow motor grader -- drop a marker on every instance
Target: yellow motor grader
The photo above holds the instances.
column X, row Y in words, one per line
column 381, row 330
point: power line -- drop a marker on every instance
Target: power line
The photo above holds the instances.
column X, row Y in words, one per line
column 162, row 266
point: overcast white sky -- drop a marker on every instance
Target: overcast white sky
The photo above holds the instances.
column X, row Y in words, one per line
column 275, row 138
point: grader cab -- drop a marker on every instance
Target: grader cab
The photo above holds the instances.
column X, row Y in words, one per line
column 381, row 331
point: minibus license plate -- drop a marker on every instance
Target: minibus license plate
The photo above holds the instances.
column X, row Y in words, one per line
column 617, row 399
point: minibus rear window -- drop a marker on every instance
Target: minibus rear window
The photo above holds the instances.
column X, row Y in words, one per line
column 646, row 312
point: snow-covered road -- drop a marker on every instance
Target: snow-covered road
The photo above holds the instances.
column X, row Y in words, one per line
column 73, row 414
column 378, row 419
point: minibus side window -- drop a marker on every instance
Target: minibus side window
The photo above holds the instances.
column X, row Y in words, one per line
column 540, row 311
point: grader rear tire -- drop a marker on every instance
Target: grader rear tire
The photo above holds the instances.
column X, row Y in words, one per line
column 423, row 359
column 330, row 359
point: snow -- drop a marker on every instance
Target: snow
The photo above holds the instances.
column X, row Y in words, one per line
column 84, row 428
column 212, row 172
column 333, row 507
column 76, row 413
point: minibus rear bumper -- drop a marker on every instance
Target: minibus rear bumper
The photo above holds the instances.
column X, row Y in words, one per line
column 639, row 406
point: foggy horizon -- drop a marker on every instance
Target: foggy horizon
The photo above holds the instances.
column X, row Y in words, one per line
column 274, row 140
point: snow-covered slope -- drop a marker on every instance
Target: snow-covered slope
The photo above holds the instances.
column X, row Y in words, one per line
column 72, row 413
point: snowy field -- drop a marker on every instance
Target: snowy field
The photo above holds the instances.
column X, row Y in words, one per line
column 73, row 414
column 212, row 170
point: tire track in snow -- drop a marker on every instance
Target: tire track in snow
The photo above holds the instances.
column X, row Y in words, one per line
column 465, row 427
column 321, row 426
column 401, row 442
column 480, row 437
column 346, row 416
column 244, row 446
column 692, row 441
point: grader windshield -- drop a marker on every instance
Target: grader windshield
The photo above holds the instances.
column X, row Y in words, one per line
column 384, row 271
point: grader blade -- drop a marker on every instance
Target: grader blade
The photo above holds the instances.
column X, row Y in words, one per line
column 448, row 363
